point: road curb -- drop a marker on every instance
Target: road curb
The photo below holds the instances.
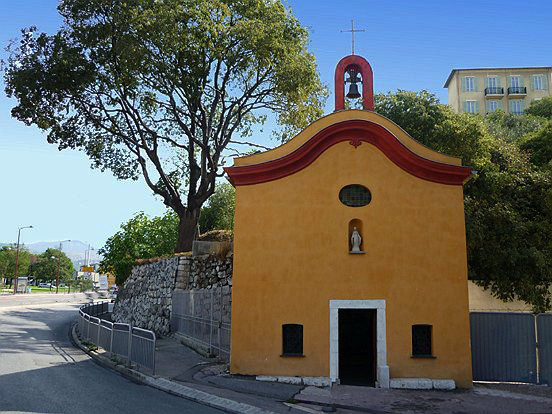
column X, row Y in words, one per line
column 168, row 386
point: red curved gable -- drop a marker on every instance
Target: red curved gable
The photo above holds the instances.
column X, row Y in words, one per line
column 355, row 132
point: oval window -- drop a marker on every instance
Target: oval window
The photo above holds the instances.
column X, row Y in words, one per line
column 355, row 195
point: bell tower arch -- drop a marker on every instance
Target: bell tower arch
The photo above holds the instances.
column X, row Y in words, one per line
column 356, row 64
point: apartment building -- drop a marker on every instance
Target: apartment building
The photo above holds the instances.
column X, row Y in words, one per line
column 485, row 90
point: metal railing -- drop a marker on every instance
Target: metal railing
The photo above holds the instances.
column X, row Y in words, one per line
column 494, row 91
column 135, row 345
column 517, row 90
column 203, row 316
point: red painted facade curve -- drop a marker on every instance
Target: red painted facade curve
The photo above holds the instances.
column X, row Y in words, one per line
column 355, row 132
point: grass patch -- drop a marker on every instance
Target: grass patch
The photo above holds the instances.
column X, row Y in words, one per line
column 89, row 345
column 35, row 289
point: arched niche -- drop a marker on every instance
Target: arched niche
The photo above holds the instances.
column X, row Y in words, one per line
column 360, row 228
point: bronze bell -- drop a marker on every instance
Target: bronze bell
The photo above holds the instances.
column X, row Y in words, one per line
column 353, row 87
column 353, row 91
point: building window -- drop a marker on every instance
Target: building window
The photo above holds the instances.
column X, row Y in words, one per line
column 539, row 83
column 355, row 195
column 517, row 107
column 292, row 335
column 471, row 107
column 493, row 106
column 470, row 84
column 421, row 341
column 515, row 81
column 492, row 82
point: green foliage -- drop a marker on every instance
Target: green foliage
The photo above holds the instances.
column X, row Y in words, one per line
column 435, row 125
column 510, row 127
column 8, row 259
column 539, row 146
column 139, row 238
column 81, row 285
column 542, row 107
column 162, row 88
column 48, row 263
column 508, row 203
column 219, row 212
column 509, row 228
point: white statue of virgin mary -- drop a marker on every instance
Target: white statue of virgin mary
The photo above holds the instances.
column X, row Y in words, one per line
column 356, row 240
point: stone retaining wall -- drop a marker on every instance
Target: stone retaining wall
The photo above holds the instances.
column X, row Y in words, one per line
column 145, row 299
column 204, row 272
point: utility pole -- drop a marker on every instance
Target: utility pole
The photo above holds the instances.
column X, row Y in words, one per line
column 17, row 257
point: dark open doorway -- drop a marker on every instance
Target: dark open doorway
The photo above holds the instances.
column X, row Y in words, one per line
column 357, row 346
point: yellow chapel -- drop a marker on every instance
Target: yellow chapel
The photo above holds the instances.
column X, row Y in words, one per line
column 350, row 254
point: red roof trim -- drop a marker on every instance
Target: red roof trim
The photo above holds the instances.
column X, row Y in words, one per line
column 355, row 131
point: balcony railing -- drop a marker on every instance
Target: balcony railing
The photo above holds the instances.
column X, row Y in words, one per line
column 517, row 90
column 494, row 91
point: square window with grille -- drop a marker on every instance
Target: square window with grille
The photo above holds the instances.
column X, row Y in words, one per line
column 421, row 340
column 292, row 335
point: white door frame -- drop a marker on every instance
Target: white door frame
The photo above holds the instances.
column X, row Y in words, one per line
column 382, row 371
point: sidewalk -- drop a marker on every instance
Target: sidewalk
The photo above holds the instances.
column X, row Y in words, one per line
column 181, row 371
column 32, row 299
column 181, row 364
column 481, row 399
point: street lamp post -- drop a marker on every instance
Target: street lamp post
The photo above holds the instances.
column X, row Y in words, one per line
column 87, row 254
column 59, row 264
column 17, row 257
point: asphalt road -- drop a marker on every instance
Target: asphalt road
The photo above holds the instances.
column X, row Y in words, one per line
column 41, row 372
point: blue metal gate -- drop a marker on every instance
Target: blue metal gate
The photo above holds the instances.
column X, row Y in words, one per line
column 504, row 347
column 544, row 337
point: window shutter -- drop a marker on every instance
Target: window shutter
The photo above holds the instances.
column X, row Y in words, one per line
column 488, row 106
column 486, row 82
column 545, row 82
column 533, row 82
column 465, row 106
column 464, row 84
column 522, row 106
column 511, row 107
column 521, row 83
column 498, row 104
column 476, row 107
column 475, row 84
column 498, row 81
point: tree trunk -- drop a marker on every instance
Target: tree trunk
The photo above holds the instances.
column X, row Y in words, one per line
column 187, row 228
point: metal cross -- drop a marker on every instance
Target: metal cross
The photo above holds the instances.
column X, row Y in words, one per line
column 352, row 31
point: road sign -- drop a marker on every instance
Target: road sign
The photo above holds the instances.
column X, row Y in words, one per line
column 103, row 282
column 87, row 269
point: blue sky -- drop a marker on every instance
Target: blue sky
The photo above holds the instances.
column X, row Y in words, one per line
column 410, row 45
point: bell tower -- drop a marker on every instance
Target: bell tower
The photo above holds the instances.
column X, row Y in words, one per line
column 353, row 66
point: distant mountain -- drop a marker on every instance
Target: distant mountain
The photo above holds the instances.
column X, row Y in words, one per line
column 74, row 249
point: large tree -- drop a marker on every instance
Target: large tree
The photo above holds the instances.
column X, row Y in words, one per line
column 218, row 214
column 139, row 238
column 163, row 89
column 49, row 263
column 508, row 201
column 8, row 262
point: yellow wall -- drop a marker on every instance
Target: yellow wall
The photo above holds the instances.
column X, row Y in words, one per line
column 291, row 258
column 481, row 300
